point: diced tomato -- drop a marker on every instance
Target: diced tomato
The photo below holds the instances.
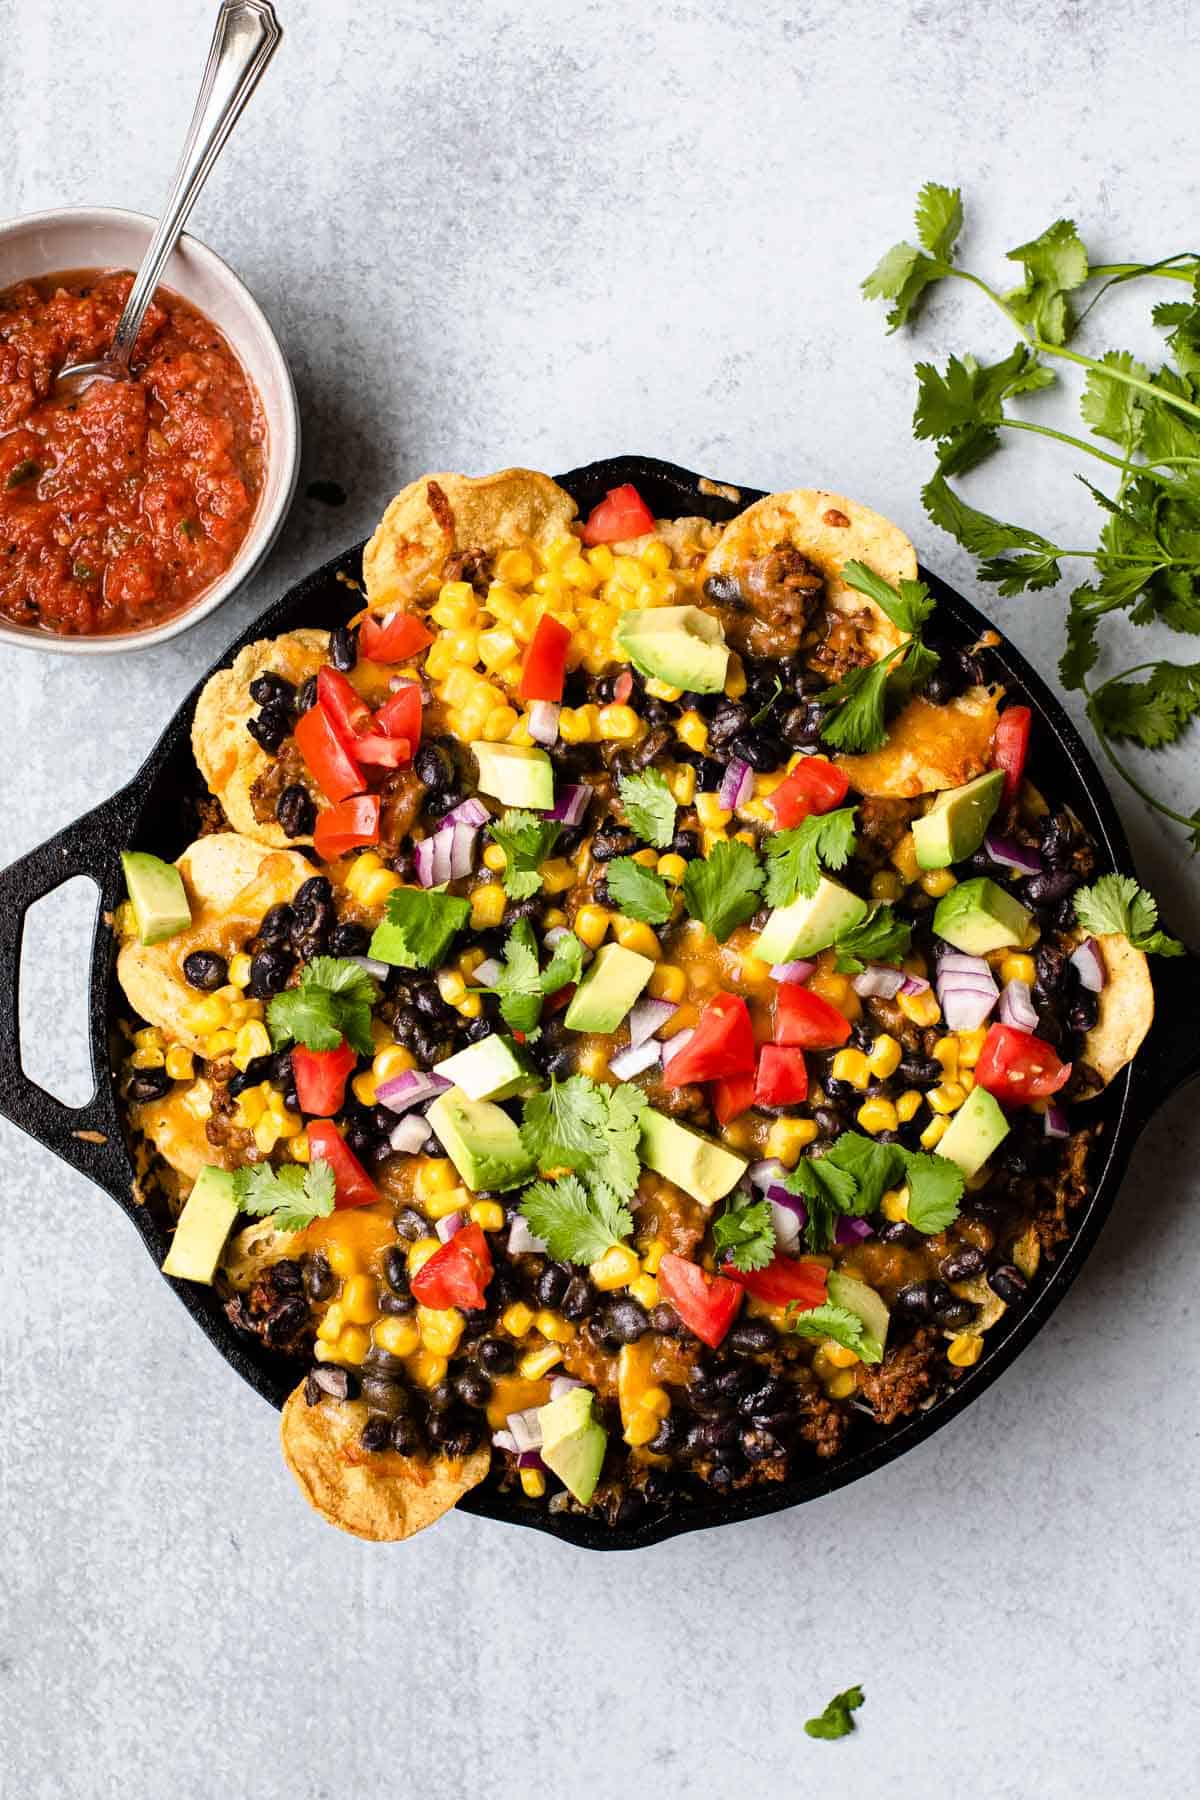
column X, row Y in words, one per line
column 802, row 1017
column 782, row 1076
column 347, row 826
column 782, row 1280
column 1010, row 746
column 347, row 711
column 1017, row 1067
column 321, row 1078
column 722, row 1044
column 707, row 1304
column 732, row 1096
column 326, row 757
column 545, row 667
column 457, row 1274
column 814, row 786
column 621, row 514
column 354, row 1186
column 381, row 752
column 400, row 717
column 393, row 638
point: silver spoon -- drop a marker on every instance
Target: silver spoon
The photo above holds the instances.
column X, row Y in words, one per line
column 246, row 37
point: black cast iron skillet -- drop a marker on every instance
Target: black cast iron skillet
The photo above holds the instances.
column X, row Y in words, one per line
column 157, row 811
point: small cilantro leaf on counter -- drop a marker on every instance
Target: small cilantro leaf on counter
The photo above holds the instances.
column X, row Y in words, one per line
column 638, row 892
column 836, row 1721
column 294, row 1197
column 418, row 927
column 745, row 1230
column 576, row 1224
column 526, row 839
column 333, row 1001
column 1056, row 264
column 1116, row 903
column 723, row 890
column 649, row 807
column 838, row 1323
column 882, row 937
column 935, row 1187
column 794, row 857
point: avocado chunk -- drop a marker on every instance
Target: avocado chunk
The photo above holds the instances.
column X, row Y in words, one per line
column 573, row 1442
column 978, row 916
column 680, row 645
column 608, row 990
column 492, row 1069
column 202, row 1227
column 156, row 895
column 955, row 824
column 810, row 924
column 480, row 1139
column 865, row 1304
column 705, row 1170
column 516, row 775
column 976, row 1129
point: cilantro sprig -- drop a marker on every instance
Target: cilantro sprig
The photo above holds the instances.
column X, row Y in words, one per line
column 649, row 807
column 856, row 707
column 418, row 927
column 589, row 1134
column 724, row 889
column 333, row 1001
column 293, row 1197
column 836, row 1322
column 1115, row 903
column 882, row 937
column 638, row 892
column 794, row 857
column 576, row 1223
column 851, row 1178
column 526, row 839
column 1144, row 426
column 744, row 1231
column 522, row 984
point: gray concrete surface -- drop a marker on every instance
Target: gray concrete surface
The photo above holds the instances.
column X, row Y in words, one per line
column 495, row 233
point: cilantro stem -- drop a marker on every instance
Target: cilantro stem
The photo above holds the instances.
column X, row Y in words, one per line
column 1169, row 269
column 1158, row 806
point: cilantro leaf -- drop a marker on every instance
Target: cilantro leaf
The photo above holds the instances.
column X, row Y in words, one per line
column 994, row 541
column 794, row 857
column 575, row 1224
column 638, row 892
column 1152, row 712
column 939, row 219
column 526, row 839
column 333, row 1001
column 835, row 1721
column 874, row 1167
column 649, row 807
column 838, row 1323
column 745, row 1229
column 882, row 937
column 1112, row 408
column 901, row 275
column 292, row 1195
column 592, row 1130
column 856, row 722
column 618, row 1157
column 935, row 1187
column 1055, row 265
column 723, row 890
column 418, row 927
column 1115, row 903
column 522, row 985
column 907, row 606
column 827, row 1190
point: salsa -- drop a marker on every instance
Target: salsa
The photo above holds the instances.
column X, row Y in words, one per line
column 118, row 508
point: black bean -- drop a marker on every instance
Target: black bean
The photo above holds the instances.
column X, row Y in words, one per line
column 897, row 1231
column 714, row 1433
column 268, row 687
column 669, row 1436
column 757, row 1444
column 475, row 1029
column 738, row 1380
column 270, row 726
column 306, row 697
column 463, row 1437
column 962, row 1264
column 955, row 1315
column 578, row 1300
column 665, row 1320
column 269, row 971
column 276, row 927
column 407, row 1436
column 287, row 1275
column 349, row 939
column 728, row 722
column 1055, row 835
column 760, row 748
column 473, row 1388
column 552, row 1284
column 435, row 767
column 1084, row 1013
column 205, row 970
column 751, row 1338
column 939, row 688
column 385, row 1396
column 410, row 1225
column 918, row 1298
column 441, row 1397
column 612, row 841
column 625, row 1320
column 296, row 811
column 801, row 726
column 343, row 648
column 319, row 1278
column 376, row 1433
column 496, row 1355
column 920, row 1071
column 316, row 891
column 395, row 1269
column 686, row 844
column 1008, row 1284
column 1051, row 887
column 429, row 1002
column 766, row 1397
column 1051, row 966
column 828, row 1120
column 723, row 589
column 339, row 1384
column 148, row 1084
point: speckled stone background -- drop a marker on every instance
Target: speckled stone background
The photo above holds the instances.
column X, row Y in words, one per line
column 544, row 232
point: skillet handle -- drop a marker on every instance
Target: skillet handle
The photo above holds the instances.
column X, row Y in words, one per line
column 88, row 1137
column 1171, row 1053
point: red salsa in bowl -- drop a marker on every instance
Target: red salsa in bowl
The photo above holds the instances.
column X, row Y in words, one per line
column 118, row 509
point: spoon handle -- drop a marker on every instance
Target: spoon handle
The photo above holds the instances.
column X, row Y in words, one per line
column 246, row 37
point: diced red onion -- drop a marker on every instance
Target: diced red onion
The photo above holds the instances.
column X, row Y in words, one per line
column 959, row 963
column 635, row 1060
column 1088, row 962
column 449, row 1226
column 562, row 1384
column 526, row 1427
column 1054, row 1122
column 410, row 1134
column 792, row 971
column 504, row 1440
column 914, row 984
column 435, row 856
column 852, row 1231
column 425, row 853
column 413, row 1088
column 647, row 1017
column 737, row 784
column 1011, row 854
column 1017, row 1008
column 462, row 850
column 878, row 980
column 372, row 966
column 521, row 1241
column 764, row 1174
column 623, row 686
column 966, row 990
column 543, row 721
column 674, row 1045
column 787, row 1227
column 530, row 1459
column 572, row 803
column 468, row 812
column 488, row 972
column 779, row 1196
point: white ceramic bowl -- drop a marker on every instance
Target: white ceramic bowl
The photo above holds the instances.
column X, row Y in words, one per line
column 104, row 237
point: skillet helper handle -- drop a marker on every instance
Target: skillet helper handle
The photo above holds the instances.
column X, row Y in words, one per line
column 1171, row 1054
column 88, row 1137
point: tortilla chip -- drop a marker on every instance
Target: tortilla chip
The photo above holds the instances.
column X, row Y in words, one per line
column 432, row 518
column 228, row 757
column 1027, row 1252
column 252, row 1250
column 230, row 883
column 175, row 1125
column 1125, row 1016
column 378, row 1495
column 831, row 531
column 990, row 1306
column 689, row 540
column 929, row 747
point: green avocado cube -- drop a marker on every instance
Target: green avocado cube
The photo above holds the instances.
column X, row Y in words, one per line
column 480, row 1139
column 681, row 645
column 978, row 916
column 202, row 1227
column 704, row 1169
column 956, row 823
column 810, row 923
column 492, row 1069
column 516, row 775
column 863, row 1301
column 977, row 1129
column 156, row 894
column 608, row 990
column 573, row 1442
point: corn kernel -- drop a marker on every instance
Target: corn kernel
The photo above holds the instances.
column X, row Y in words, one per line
column 437, row 1175
column 441, row 1328
column 220, row 1043
column 645, row 1291
column 886, row 885
column 420, row 1253
column 515, row 567
column 203, row 1016
column 668, row 982
column 970, row 1048
column 615, row 1269
column 180, row 1066
column 572, row 728
column 427, row 1369
column 360, row 868
column 451, row 986
column 947, row 1097
column 641, row 1428
column 904, row 857
column 654, row 1255
column 391, row 1061
column 647, row 858
column 821, row 1365
column 536, row 1363
column 840, row 1356
column 671, row 867
column 487, row 902
column 517, row 1319
column 364, row 1087
column 488, row 1215
column 965, row 1350
column 377, row 887
column 894, row 1205
column 937, row 882
column 496, row 650
column 735, row 677
column 656, row 557
column 945, row 1051
column 662, row 690
column 471, row 1007
column 934, row 1132
column 591, row 925
column 909, row 1105
column 499, row 722
column 398, row 1336
column 149, row 1038
column 299, row 1148
column 885, row 1056
column 1017, row 967
column 552, row 918
column 788, row 1137
column 266, row 1133
column 634, row 934
column 922, row 1009
column 682, row 782
column 841, row 1385
column 495, row 859
column 593, row 1062
column 352, row 1345
column 533, row 1483
column 553, row 1326
column 239, row 970
column 691, row 730
column 150, row 1058
column 330, row 1328
column 619, row 724
column 711, row 814
column 852, row 1066
column 557, row 875
column 358, row 1300
column 253, row 1040
column 876, row 1115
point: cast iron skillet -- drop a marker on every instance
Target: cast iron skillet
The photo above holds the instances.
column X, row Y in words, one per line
column 156, row 811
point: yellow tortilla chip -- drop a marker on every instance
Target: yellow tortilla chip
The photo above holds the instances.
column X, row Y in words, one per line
column 1126, row 1012
column 175, row 1126
column 831, row 531
column 929, row 747
column 378, row 1495
column 231, row 883
column 432, row 518
column 254, row 1249
column 228, row 757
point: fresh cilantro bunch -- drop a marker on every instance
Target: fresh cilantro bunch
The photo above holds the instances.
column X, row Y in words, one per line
column 333, row 1001
column 836, row 1721
column 1115, row 903
column 649, row 807
column 523, row 984
column 855, row 1173
column 1146, row 559
column 526, row 839
column 744, row 1231
column 589, row 1135
column 294, row 1197
column 855, row 708
column 724, row 889
column 794, row 857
